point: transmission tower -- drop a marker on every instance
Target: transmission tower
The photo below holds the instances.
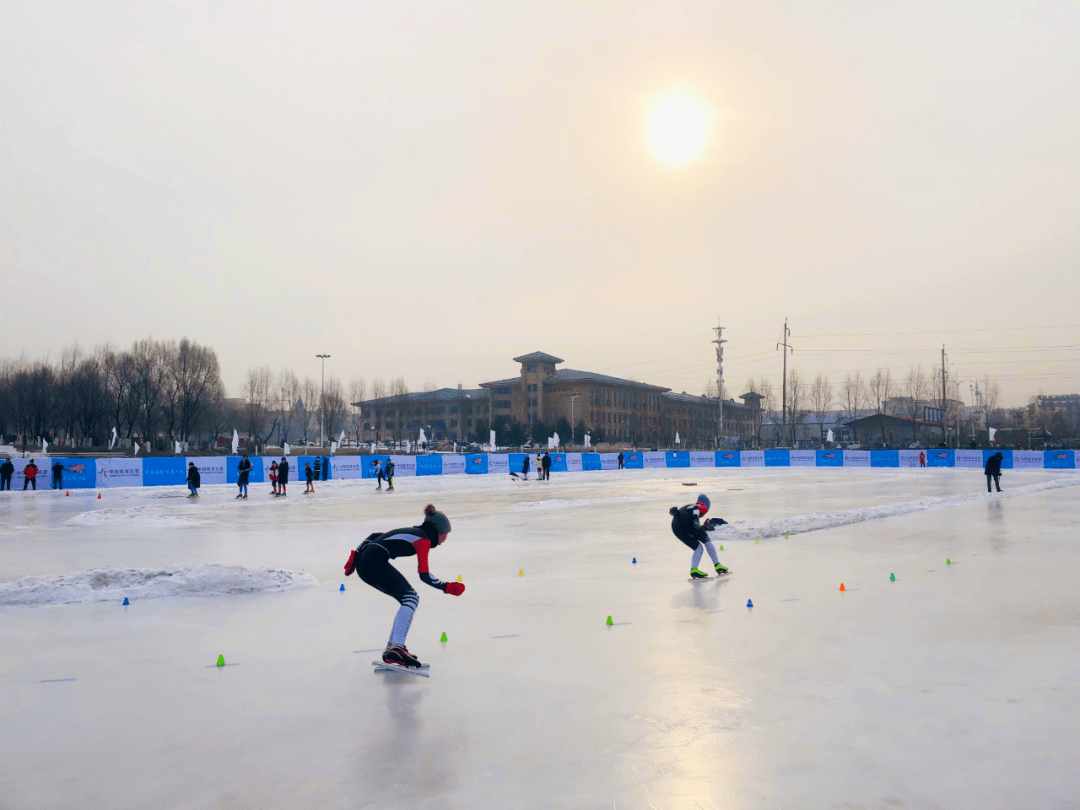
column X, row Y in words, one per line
column 720, row 341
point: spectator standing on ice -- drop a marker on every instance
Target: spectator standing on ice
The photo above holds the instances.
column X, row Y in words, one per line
column 243, row 470
column 922, row 458
column 7, row 469
column 30, row 472
column 525, row 466
column 993, row 471
column 547, row 466
column 377, row 464
column 685, row 526
column 318, row 467
column 621, row 461
column 325, row 468
column 194, row 480
column 283, row 477
column 371, row 562
column 310, row 475
column 390, row 466
column 58, row 475
column 273, row 478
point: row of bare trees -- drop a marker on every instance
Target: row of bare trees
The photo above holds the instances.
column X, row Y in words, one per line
column 164, row 389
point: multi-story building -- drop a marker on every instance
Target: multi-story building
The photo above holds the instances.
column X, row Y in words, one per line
column 447, row 413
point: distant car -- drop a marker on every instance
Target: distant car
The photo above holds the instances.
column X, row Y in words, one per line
column 852, row 446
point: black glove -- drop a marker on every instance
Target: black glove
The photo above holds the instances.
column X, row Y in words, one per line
column 712, row 523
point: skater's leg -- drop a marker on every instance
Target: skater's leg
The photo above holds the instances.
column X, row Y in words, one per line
column 403, row 619
column 696, row 559
column 988, row 477
column 375, row 569
column 709, row 547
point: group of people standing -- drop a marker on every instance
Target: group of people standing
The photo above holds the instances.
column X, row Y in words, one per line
column 30, row 473
column 543, row 467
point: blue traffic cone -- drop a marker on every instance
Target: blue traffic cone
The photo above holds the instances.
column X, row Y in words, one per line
column 634, row 561
column 749, row 602
column 126, row 602
column 342, row 588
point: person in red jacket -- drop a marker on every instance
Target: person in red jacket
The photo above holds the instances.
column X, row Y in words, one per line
column 371, row 562
column 922, row 458
column 30, row 472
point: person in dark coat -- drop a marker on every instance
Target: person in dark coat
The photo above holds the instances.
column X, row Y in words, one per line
column 547, row 466
column 282, row 477
column 194, row 480
column 58, row 475
column 525, row 466
column 30, row 472
column 310, row 475
column 7, row 469
column 243, row 470
column 318, row 467
column 993, row 471
column 325, row 468
column 621, row 461
column 390, row 474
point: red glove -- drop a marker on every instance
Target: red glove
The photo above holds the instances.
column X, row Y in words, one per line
column 455, row 588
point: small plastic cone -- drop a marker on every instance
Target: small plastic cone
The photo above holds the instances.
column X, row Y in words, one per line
column 749, row 602
column 892, row 577
column 521, row 572
column 221, row 660
column 67, row 493
column 755, row 541
column 609, row 621
column 785, row 536
column 99, row 496
column 459, row 577
column 721, row 547
column 126, row 602
column 443, row 637
column 842, row 588
column 634, row 561
column 342, row 587
column 948, row 561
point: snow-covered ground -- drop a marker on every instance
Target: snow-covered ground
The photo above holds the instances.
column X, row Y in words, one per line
column 953, row 686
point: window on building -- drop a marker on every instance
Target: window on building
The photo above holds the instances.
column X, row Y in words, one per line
column 453, row 423
column 502, row 391
column 530, row 369
column 453, row 409
column 534, row 401
column 389, row 425
column 502, row 404
column 468, row 423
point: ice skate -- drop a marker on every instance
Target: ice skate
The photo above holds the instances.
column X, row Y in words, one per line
column 696, row 574
column 721, row 568
column 398, row 655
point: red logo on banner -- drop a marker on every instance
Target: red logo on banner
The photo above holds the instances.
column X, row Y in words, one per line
column 1062, row 456
column 79, row 467
column 942, row 455
column 830, row 455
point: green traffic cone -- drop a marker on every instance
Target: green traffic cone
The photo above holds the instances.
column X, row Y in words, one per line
column 609, row 621
column 221, row 660
column 892, row 577
column 443, row 637
column 948, row 561
column 721, row 546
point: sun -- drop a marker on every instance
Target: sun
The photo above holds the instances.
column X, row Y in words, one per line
column 678, row 129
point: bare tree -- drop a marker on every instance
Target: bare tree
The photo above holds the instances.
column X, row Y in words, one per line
column 357, row 395
column 378, row 392
column 822, row 397
column 796, row 391
column 400, row 392
column 916, row 389
column 150, row 364
column 333, row 407
column 853, row 392
column 881, row 389
column 261, row 419
column 289, row 404
column 119, row 372
column 309, row 415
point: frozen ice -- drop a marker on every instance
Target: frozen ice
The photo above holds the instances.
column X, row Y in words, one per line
column 951, row 687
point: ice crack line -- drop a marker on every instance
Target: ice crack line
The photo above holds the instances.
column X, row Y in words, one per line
column 775, row 527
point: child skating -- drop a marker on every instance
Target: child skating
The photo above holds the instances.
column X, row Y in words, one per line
column 273, row 478
column 371, row 561
column 685, row 526
column 310, row 474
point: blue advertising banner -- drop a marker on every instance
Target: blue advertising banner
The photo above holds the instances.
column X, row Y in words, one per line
column 369, row 465
column 164, row 471
column 939, row 458
column 429, row 465
column 476, row 463
column 884, row 458
column 558, row 462
column 79, row 473
column 678, row 458
column 727, row 458
column 590, row 461
column 830, row 458
column 777, row 458
column 1006, row 460
column 232, row 473
column 1059, row 460
column 633, row 461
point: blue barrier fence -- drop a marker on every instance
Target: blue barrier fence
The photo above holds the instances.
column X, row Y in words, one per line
column 90, row 473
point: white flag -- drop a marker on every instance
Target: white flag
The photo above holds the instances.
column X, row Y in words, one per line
column 177, row 448
column 551, row 442
column 992, row 432
column 492, row 441
column 455, row 447
column 677, row 437
column 333, row 447
column 423, row 438
column 235, row 441
column 588, row 440
column 44, row 446
column 341, row 439
column 555, row 439
column 112, row 441
column 828, row 436
column 286, row 450
column 138, row 446
column 408, row 446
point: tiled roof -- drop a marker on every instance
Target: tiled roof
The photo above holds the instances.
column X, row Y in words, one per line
column 573, row 375
column 538, row 357
column 511, row 381
column 441, row 395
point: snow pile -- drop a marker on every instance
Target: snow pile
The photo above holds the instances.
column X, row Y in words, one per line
column 113, row 584
column 563, row 504
column 775, row 527
column 145, row 517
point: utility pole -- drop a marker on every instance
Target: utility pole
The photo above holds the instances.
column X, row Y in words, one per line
column 720, row 341
column 573, row 397
column 783, row 396
column 944, row 399
column 322, row 397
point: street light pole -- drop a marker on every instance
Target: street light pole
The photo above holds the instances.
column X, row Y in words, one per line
column 322, row 398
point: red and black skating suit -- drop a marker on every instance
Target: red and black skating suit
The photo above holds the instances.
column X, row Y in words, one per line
column 684, row 524
column 373, row 557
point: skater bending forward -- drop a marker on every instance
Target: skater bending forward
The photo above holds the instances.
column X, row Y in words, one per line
column 684, row 523
column 371, row 561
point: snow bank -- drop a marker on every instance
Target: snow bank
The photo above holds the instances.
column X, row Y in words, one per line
column 775, row 527
column 113, row 584
column 146, row 517
column 562, row 504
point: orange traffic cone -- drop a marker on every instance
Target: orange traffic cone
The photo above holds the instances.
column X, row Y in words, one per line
column 842, row 588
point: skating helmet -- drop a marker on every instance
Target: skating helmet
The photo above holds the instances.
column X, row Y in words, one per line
column 703, row 503
column 438, row 521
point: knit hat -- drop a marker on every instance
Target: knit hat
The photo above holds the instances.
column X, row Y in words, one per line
column 703, row 503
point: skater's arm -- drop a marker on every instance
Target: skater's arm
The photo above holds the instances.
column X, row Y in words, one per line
column 423, row 547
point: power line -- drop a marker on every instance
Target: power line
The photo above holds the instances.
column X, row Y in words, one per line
column 948, row 331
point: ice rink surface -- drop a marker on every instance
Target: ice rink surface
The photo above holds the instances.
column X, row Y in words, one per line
column 955, row 686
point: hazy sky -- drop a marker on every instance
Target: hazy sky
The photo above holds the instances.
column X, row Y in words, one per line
column 427, row 190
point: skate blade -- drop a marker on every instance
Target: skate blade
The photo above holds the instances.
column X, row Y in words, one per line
column 382, row 666
column 710, row 579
